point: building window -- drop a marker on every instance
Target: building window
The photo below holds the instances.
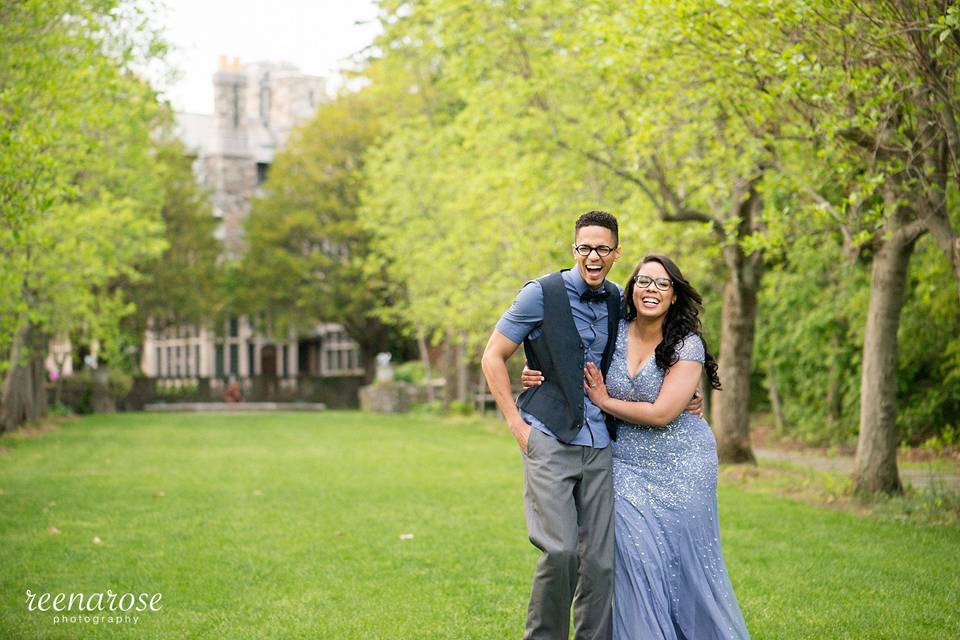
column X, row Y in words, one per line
column 169, row 361
column 340, row 354
column 234, row 358
column 176, row 362
column 236, row 106
column 196, row 359
column 286, row 369
column 219, row 361
column 265, row 99
column 156, row 369
column 234, row 328
column 251, row 353
column 304, row 361
column 263, row 170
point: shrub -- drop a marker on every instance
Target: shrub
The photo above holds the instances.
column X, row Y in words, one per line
column 411, row 371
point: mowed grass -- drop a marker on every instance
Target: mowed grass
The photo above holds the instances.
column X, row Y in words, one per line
column 289, row 525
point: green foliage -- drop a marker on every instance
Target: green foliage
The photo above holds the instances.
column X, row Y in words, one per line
column 949, row 437
column 82, row 385
column 79, row 201
column 523, row 115
column 305, row 256
column 929, row 401
column 61, row 410
column 461, row 408
column 810, row 335
column 412, row 372
column 183, row 284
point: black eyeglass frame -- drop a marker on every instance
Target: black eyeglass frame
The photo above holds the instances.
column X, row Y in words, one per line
column 602, row 251
column 654, row 281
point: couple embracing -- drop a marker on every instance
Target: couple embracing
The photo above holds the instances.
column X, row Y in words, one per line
column 620, row 470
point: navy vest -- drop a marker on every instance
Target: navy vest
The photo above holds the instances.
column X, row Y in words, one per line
column 558, row 353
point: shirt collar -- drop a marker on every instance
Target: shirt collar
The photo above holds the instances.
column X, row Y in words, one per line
column 573, row 277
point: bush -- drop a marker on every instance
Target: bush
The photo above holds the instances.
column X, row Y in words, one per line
column 411, row 371
column 60, row 409
column 460, row 408
column 182, row 392
column 436, row 408
column 78, row 389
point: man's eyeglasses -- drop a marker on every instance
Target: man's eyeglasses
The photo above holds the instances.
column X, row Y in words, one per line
column 584, row 249
column 663, row 284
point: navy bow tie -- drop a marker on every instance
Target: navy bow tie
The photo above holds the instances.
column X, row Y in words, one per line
column 594, row 295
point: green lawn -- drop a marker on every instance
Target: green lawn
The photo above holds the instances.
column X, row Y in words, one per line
column 289, row 526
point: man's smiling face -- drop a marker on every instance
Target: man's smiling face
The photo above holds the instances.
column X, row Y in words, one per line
column 594, row 267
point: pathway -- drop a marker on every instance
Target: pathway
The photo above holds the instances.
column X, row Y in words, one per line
column 844, row 465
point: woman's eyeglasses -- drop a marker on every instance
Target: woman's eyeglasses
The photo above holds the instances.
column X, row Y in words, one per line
column 663, row 284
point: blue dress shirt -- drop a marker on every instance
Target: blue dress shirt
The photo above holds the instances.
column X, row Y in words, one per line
column 525, row 317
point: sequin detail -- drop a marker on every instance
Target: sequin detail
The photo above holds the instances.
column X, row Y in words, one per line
column 670, row 578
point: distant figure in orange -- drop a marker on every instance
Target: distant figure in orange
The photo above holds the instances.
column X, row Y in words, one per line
column 232, row 394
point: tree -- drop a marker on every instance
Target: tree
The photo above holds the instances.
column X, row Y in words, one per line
column 79, row 205
column 916, row 142
column 185, row 283
column 446, row 193
column 864, row 82
column 305, row 257
column 752, row 123
column 622, row 90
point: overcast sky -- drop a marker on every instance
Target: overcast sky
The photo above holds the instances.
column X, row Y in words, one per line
column 316, row 36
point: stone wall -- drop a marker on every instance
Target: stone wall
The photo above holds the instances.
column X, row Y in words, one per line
column 334, row 392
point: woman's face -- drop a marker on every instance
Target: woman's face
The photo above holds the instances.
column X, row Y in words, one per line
column 651, row 300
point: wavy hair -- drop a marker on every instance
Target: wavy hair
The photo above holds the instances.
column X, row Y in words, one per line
column 683, row 318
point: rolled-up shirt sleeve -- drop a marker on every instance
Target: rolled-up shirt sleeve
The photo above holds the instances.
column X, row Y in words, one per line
column 525, row 316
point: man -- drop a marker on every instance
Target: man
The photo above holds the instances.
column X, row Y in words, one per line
column 564, row 320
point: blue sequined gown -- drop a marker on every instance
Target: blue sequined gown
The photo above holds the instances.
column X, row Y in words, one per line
column 670, row 580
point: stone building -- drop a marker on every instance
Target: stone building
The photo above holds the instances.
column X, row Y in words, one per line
column 256, row 105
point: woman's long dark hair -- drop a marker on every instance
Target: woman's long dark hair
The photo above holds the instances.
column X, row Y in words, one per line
column 683, row 318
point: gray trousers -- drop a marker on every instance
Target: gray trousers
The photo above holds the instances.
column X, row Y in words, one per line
column 568, row 502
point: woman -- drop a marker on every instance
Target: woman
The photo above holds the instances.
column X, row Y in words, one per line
column 670, row 580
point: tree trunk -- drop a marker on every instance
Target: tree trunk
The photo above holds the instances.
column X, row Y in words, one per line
column 937, row 222
column 369, row 359
column 930, row 197
column 371, row 338
column 876, row 459
column 449, row 369
column 24, row 397
column 463, row 371
column 60, row 360
column 834, row 399
column 731, row 407
column 738, row 322
column 425, row 359
column 776, row 401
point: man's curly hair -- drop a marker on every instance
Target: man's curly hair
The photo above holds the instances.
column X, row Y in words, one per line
column 598, row 219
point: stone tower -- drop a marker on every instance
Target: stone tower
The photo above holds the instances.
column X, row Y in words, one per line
column 229, row 164
column 256, row 107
